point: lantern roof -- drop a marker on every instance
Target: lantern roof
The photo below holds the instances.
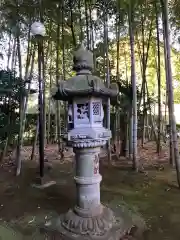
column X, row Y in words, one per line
column 84, row 83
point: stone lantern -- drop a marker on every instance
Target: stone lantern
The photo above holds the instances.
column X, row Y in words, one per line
column 85, row 94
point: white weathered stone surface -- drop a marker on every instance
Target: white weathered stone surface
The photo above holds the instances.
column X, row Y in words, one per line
column 38, row 28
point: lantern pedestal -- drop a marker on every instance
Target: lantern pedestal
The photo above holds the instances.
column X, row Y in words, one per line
column 109, row 225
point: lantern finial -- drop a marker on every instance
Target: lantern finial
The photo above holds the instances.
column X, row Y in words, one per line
column 83, row 59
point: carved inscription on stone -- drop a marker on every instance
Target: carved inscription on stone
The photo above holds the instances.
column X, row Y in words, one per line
column 96, row 164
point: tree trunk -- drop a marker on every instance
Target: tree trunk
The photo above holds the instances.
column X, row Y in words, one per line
column 107, row 82
column 171, row 148
column 117, row 76
column 57, row 80
column 130, row 135
column 49, row 108
column 159, row 83
column 87, row 25
column 21, row 112
column 170, row 89
column 133, row 81
column 41, row 107
column 35, row 140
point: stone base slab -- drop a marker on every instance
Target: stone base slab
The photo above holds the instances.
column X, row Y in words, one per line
column 42, row 183
column 107, row 226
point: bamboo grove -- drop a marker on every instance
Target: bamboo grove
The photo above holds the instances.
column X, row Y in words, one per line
column 132, row 46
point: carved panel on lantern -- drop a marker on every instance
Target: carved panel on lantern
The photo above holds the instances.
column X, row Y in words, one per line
column 97, row 111
column 81, row 112
column 70, row 117
column 96, row 108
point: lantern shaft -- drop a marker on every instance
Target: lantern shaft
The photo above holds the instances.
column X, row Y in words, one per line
column 41, row 111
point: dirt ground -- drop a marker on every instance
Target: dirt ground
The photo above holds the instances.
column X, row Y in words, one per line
column 153, row 193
